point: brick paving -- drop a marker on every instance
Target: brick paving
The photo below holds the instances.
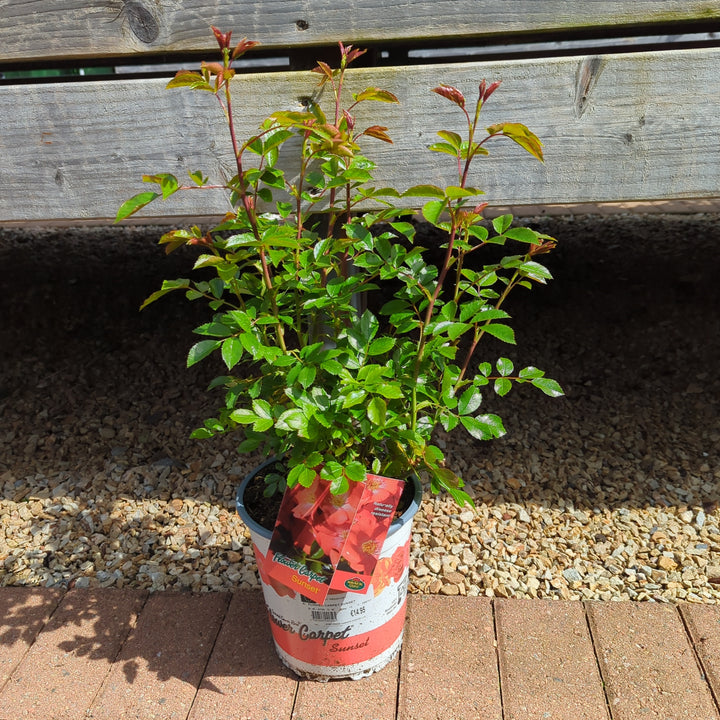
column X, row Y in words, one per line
column 121, row 654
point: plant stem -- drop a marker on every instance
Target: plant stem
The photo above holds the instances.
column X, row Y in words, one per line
column 250, row 211
column 481, row 331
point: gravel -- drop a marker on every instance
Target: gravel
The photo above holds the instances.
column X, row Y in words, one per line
column 610, row 492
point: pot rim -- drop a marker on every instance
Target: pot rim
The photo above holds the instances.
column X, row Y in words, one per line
column 255, row 526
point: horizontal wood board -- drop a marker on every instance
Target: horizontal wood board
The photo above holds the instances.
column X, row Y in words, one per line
column 67, row 29
column 618, row 127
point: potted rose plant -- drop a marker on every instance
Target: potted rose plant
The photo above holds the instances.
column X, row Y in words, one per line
column 345, row 345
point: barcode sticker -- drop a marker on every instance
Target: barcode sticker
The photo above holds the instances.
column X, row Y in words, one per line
column 323, row 614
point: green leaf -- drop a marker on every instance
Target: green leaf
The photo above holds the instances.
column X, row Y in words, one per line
column 484, row 427
column 424, row 191
column 301, row 474
column 307, row 376
column 202, row 350
column 504, row 366
column 262, row 425
column 135, row 203
column 294, row 420
column 443, row 148
column 535, row 271
column 391, row 391
column 502, row 223
column 187, row 78
column 377, row 411
column 232, row 351
column 433, row 210
column 373, row 93
column 501, row 332
column 502, row 386
column 207, row 261
column 530, row 372
column 198, row 178
column 548, row 386
column 167, row 286
column 354, row 397
column 519, row 133
column 453, row 191
column 381, row 345
column 523, row 234
column 168, row 183
column 250, row 444
column 244, row 416
column 452, row 138
column 262, row 408
column 355, row 471
column 469, row 401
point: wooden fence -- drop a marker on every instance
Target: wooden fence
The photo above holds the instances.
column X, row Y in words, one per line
column 620, row 121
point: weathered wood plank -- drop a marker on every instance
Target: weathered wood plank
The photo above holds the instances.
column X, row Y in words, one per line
column 77, row 29
column 619, row 127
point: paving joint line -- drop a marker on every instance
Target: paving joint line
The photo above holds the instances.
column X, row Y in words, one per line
column 497, row 659
column 698, row 659
column 598, row 664
column 228, row 600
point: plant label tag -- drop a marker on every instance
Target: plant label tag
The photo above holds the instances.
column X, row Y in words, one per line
column 319, row 536
column 367, row 534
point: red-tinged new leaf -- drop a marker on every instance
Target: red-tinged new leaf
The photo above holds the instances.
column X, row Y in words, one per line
column 486, row 92
column 222, row 38
column 349, row 54
column 135, row 203
column 378, row 132
column 323, row 68
column 451, row 93
column 243, row 46
column 214, row 68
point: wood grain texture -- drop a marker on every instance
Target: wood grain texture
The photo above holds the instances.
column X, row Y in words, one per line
column 61, row 29
column 621, row 127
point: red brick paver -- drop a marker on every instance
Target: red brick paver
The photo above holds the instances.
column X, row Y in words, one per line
column 23, row 613
column 122, row 654
column 372, row 698
column 547, row 662
column 244, row 678
column 160, row 667
column 449, row 661
column 648, row 663
column 65, row 667
column 703, row 624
